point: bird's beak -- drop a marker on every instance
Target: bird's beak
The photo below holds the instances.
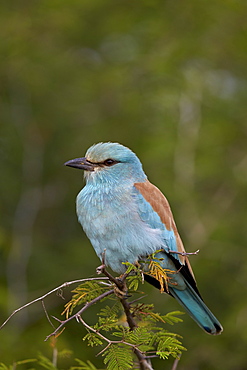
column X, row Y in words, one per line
column 81, row 163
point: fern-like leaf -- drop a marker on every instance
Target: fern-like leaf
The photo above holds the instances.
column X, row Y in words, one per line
column 118, row 357
column 84, row 293
column 171, row 317
column 167, row 344
column 93, row 339
column 133, row 282
column 45, row 362
column 135, row 276
column 109, row 311
column 160, row 274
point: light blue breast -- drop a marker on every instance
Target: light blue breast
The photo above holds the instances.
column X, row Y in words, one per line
column 110, row 217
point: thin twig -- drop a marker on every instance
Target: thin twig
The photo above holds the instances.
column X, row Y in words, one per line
column 185, row 253
column 136, row 350
column 137, row 299
column 175, row 363
column 103, row 337
column 64, row 285
column 46, row 313
column 77, row 314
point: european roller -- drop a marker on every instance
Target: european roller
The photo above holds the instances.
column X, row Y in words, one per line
column 128, row 219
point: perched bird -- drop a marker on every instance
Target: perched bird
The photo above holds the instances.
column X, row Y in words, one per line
column 127, row 219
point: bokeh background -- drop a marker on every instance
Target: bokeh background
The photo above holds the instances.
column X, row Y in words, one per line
column 166, row 78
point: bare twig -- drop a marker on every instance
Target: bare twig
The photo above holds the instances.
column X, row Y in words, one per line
column 138, row 299
column 64, row 285
column 175, row 363
column 46, row 313
column 185, row 253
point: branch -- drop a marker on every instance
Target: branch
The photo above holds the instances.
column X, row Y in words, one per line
column 77, row 314
column 121, row 285
column 142, row 359
column 60, row 287
column 175, row 364
column 103, row 337
column 119, row 289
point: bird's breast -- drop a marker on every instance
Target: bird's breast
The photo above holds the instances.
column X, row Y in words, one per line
column 112, row 223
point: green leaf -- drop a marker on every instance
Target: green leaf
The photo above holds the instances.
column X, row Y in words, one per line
column 169, row 318
column 133, row 282
column 110, row 311
column 110, row 319
column 130, row 267
column 85, row 292
column 167, row 344
column 45, row 362
column 118, row 357
column 140, row 335
column 93, row 339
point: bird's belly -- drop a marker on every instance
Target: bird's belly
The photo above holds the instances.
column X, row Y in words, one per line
column 118, row 233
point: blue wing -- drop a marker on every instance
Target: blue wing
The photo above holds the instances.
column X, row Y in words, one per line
column 154, row 209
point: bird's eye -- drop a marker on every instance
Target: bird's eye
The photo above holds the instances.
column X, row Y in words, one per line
column 109, row 162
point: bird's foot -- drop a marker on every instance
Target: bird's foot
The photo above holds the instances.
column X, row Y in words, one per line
column 100, row 269
column 121, row 290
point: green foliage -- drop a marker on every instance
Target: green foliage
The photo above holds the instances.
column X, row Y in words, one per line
column 148, row 337
column 92, row 339
column 108, row 318
column 84, row 293
column 145, row 312
column 118, row 357
column 45, row 363
column 135, row 276
column 167, row 345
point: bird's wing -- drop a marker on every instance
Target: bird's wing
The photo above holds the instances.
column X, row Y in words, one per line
column 155, row 210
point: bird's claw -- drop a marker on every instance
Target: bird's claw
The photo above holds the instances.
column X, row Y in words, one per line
column 122, row 294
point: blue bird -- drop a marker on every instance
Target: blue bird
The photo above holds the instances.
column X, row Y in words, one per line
column 127, row 219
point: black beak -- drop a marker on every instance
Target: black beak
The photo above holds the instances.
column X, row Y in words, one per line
column 80, row 163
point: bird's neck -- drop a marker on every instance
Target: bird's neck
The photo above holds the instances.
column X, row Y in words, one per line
column 113, row 181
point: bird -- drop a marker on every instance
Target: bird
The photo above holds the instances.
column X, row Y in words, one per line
column 127, row 219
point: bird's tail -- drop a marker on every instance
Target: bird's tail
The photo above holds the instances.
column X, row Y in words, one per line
column 197, row 309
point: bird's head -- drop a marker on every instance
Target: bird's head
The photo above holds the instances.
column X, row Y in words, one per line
column 109, row 162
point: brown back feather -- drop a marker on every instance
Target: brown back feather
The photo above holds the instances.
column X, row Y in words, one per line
column 161, row 206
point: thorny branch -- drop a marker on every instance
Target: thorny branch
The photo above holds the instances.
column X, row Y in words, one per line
column 120, row 290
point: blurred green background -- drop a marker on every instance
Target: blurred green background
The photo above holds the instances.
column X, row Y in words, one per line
column 165, row 78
